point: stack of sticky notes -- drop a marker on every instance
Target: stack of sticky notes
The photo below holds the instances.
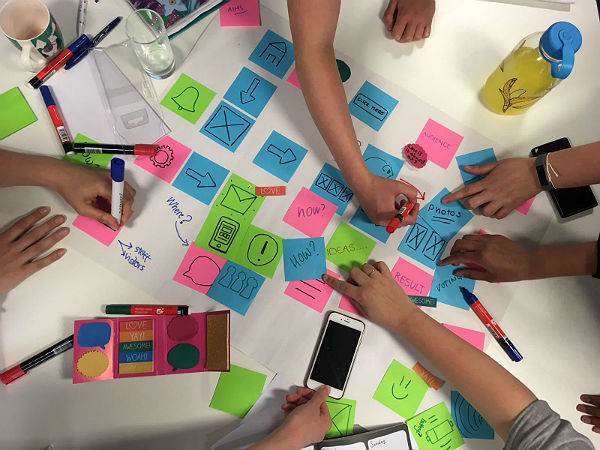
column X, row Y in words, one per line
column 15, row 112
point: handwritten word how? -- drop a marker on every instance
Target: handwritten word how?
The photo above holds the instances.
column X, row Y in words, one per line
column 309, row 211
column 304, row 255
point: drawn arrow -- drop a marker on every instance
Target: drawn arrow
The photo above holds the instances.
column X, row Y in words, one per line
column 246, row 96
column 204, row 180
column 285, row 156
column 184, row 242
column 124, row 246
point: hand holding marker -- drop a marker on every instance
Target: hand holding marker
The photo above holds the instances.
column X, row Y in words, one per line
column 404, row 209
column 117, row 173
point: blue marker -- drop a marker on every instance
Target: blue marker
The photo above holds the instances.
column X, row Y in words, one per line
column 491, row 325
column 82, row 52
column 117, row 173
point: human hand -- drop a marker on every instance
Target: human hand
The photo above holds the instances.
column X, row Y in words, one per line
column 377, row 197
column 376, row 293
column 24, row 242
column 591, row 408
column 409, row 20
column 507, row 184
column 307, row 418
column 82, row 187
column 490, row 257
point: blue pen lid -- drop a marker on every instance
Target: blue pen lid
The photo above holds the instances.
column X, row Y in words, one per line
column 79, row 43
column 117, row 169
column 47, row 95
column 558, row 46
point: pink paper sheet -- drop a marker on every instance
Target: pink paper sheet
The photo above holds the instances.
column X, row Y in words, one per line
column 95, row 229
column 293, row 79
column 413, row 280
column 525, row 207
column 440, row 143
column 240, row 13
column 473, row 337
column 312, row 293
column 347, row 305
column 199, row 269
column 167, row 161
column 310, row 213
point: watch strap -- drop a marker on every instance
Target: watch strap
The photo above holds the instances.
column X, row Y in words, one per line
column 540, row 168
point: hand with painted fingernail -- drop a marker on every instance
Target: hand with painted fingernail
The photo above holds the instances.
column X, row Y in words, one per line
column 24, row 244
column 591, row 410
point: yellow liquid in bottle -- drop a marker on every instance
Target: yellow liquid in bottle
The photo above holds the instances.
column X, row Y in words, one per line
column 520, row 81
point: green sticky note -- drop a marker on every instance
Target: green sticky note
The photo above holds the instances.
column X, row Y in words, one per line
column 401, row 390
column 188, row 99
column 434, row 429
column 88, row 159
column 15, row 112
column 348, row 247
column 238, row 390
column 260, row 251
column 342, row 414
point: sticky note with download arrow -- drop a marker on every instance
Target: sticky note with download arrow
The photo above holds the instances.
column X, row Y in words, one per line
column 250, row 92
column 201, row 178
column 280, row 156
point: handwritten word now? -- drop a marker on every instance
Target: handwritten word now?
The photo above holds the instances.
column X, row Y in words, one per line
column 304, row 255
column 310, row 211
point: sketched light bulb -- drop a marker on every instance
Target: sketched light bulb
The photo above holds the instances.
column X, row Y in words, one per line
column 187, row 99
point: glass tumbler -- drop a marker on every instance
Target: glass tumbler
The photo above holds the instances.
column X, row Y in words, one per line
column 148, row 37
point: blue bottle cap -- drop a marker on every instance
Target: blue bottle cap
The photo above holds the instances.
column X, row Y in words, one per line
column 558, row 46
column 117, row 169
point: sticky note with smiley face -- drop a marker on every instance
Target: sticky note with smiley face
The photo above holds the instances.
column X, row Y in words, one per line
column 401, row 390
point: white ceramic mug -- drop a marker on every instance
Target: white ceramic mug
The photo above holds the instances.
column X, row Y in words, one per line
column 31, row 28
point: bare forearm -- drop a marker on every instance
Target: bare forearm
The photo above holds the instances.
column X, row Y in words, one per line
column 579, row 166
column 17, row 169
column 492, row 390
column 563, row 260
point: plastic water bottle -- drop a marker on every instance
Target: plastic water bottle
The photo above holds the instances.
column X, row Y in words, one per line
column 535, row 66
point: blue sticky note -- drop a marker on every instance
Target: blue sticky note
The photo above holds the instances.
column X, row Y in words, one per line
column 445, row 286
column 372, row 106
column 470, row 423
column 227, row 126
column 362, row 222
column 280, row 156
column 273, row 53
column 474, row 159
column 201, row 178
column 330, row 185
column 381, row 163
column 250, row 92
column 236, row 287
column 436, row 225
column 304, row 259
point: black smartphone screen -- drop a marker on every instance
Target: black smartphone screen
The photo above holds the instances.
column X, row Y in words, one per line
column 334, row 359
column 568, row 201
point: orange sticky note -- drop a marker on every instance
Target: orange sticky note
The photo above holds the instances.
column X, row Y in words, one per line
column 428, row 377
column 270, row 191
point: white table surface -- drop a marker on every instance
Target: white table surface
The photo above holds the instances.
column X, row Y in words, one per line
column 553, row 322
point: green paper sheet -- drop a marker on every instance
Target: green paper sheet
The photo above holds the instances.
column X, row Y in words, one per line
column 434, row 429
column 188, row 99
column 260, row 251
column 342, row 414
column 348, row 247
column 238, row 390
column 87, row 159
column 15, row 112
column 401, row 390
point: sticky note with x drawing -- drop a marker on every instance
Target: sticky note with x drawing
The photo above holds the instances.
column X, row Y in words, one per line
column 227, row 126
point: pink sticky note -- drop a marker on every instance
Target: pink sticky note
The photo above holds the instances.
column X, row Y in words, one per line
column 473, row 337
column 240, row 13
column 525, row 207
column 293, row 79
column 347, row 305
column 413, row 280
column 199, row 269
column 310, row 213
column 440, row 143
column 312, row 293
column 167, row 160
column 95, row 229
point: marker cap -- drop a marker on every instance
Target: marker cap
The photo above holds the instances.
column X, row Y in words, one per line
column 144, row 150
column 47, row 96
column 118, row 309
column 11, row 375
column 117, row 169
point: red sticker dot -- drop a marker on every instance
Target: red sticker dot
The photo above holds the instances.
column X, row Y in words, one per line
column 415, row 155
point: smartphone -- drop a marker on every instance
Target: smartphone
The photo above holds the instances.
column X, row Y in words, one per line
column 335, row 354
column 568, row 201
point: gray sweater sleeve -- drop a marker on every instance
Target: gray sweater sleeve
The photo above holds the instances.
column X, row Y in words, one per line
column 539, row 427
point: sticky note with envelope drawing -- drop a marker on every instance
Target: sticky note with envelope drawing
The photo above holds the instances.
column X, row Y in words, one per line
column 342, row 414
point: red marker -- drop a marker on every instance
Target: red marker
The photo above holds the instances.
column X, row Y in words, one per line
column 113, row 149
column 58, row 62
column 55, row 116
column 143, row 310
column 404, row 209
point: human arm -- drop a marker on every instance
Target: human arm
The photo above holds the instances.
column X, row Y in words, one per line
column 79, row 186
column 510, row 182
column 490, row 388
column 307, row 420
column 313, row 24
column 504, row 260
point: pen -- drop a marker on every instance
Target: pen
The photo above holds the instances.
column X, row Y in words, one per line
column 58, row 62
column 94, row 42
column 117, row 174
column 57, row 120
column 81, row 16
column 404, row 209
column 491, row 325
column 16, row 372
column 156, row 310
column 112, row 149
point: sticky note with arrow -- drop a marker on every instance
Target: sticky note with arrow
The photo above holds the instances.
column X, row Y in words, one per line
column 201, row 178
column 250, row 92
column 280, row 156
